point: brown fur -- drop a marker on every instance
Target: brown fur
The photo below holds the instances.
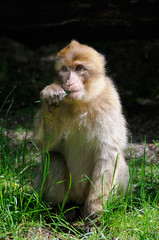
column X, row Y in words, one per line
column 84, row 131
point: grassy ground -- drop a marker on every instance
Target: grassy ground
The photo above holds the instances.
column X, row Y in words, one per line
column 25, row 216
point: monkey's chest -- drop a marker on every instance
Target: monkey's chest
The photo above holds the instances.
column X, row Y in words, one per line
column 78, row 152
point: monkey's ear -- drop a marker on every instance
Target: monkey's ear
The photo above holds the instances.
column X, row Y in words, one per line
column 63, row 52
column 74, row 43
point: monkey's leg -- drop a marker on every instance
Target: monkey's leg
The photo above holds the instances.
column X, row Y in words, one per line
column 53, row 179
column 100, row 186
column 104, row 178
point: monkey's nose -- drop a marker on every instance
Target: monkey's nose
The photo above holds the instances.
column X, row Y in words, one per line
column 69, row 83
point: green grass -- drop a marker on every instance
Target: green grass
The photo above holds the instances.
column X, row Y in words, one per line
column 21, row 210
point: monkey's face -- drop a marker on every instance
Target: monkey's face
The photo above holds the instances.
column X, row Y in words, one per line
column 79, row 70
column 72, row 78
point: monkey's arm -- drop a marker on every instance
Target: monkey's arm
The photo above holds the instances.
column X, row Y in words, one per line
column 53, row 94
column 47, row 132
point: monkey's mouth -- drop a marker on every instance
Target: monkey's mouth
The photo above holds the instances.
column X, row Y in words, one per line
column 73, row 93
column 67, row 92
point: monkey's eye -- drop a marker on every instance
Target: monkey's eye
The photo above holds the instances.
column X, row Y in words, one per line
column 79, row 68
column 64, row 69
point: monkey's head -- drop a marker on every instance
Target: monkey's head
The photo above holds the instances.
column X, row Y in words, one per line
column 80, row 71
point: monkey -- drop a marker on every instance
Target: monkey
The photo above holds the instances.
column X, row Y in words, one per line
column 81, row 125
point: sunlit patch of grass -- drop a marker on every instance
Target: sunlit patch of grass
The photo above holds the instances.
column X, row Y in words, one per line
column 22, row 210
column 137, row 215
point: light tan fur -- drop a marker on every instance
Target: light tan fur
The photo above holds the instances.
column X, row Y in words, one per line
column 84, row 131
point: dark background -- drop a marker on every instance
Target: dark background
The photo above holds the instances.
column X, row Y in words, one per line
column 126, row 32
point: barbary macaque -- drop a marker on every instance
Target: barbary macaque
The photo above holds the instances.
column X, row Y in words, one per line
column 80, row 123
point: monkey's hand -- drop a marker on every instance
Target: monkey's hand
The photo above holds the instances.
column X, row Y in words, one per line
column 53, row 94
